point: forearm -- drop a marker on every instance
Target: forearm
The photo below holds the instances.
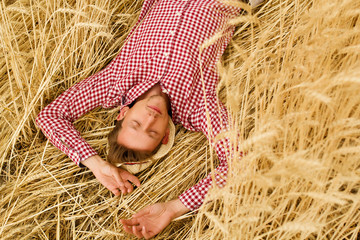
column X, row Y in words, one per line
column 56, row 119
column 194, row 197
column 63, row 135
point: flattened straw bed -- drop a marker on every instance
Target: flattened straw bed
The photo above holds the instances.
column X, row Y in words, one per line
column 290, row 79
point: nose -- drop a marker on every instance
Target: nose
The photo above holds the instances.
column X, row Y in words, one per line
column 149, row 120
column 152, row 113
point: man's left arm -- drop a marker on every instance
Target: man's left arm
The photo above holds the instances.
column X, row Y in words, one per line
column 211, row 119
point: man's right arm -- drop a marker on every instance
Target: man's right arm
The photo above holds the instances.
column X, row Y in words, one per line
column 56, row 119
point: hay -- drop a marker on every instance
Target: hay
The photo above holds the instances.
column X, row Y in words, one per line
column 290, row 79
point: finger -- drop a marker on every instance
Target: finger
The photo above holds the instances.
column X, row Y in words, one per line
column 136, row 232
column 146, row 234
column 123, row 190
column 128, row 229
column 116, row 192
column 130, row 222
column 138, row 228
column 128, row 187
column 133, row 179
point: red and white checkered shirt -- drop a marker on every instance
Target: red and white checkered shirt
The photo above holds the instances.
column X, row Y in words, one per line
column 163, row 47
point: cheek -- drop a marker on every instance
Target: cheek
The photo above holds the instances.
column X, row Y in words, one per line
column 164, row 125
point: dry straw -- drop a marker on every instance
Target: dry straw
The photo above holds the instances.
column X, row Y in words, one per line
column 290, row 79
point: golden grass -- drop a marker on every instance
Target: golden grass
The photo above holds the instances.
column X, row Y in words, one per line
column 290, row 79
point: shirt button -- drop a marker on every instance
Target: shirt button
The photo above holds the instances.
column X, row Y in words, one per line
column 172, row 33
column 166, row 54
column 165, row 91
column 178, row 14
column 159, row 76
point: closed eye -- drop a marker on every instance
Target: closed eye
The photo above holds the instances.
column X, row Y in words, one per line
column 153, row 134
column 135, row 124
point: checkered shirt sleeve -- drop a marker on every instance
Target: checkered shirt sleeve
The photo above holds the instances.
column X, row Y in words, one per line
column 211, row 126
column 56, row 119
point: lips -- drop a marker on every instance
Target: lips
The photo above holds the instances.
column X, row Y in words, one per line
column 156, row 109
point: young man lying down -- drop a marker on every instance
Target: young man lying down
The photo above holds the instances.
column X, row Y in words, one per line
column 161, row 76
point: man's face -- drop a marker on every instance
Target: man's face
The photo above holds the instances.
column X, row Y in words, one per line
column 145, row 124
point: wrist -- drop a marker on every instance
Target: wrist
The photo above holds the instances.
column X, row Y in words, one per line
column 93, row 162
column 177, row 208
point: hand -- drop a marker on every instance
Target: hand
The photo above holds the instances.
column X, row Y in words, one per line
column 153, row 219
column 113, row 178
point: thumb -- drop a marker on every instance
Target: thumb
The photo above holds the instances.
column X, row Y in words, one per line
column 133, row 179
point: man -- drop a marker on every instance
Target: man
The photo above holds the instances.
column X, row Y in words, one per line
column 165, row 65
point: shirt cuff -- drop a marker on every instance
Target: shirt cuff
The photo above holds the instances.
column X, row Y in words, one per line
column 77, row 150
column 193, row 198
column 84, row 151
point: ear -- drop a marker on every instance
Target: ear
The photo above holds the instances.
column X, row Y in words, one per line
column 122, row 113
column 166, row 137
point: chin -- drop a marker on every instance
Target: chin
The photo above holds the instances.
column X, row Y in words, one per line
column 160, row 101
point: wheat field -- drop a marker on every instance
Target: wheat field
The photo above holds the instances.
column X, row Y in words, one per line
column 290, row 79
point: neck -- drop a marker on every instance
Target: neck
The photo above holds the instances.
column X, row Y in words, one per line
column 156, row 90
